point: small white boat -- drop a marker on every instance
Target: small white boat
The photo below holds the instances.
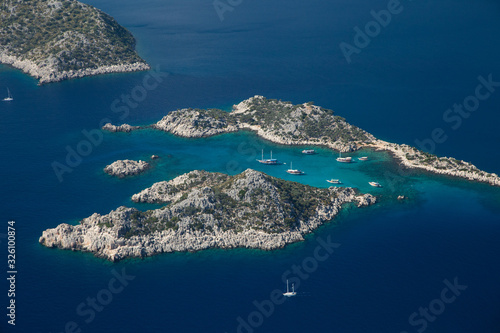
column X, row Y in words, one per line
column 269, row 161
column 293, row 171
column 9, row 96
column 334, row 181
column 344, row 159
column 309, row 151
column 288, row 292
column 374, row 184
column 364, row 158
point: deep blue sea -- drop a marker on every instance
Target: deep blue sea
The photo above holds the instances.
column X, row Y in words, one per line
column 427, row 264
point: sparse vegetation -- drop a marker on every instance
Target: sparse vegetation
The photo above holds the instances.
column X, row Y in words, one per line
column 290, row 122
column 65, row 34
column 232, row 203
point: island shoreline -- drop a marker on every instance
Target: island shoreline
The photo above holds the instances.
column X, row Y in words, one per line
column 31, row 69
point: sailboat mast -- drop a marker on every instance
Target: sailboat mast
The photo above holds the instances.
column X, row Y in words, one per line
column 271, row 154
column 287, row 286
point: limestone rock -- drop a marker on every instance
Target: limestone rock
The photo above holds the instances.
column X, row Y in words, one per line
column 123, row 168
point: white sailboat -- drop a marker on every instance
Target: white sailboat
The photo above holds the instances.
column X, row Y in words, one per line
column 288, row 292
column 9, row 96
column 293, row 171
column 343, row 159
column 269, row 161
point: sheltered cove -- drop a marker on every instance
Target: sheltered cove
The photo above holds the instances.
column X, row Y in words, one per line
column 304, row 124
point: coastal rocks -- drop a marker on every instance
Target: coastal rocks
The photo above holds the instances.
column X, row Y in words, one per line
column 122, row 128
column 366, row 200
column 123, row 168
column 54, row 76
column 47, row 72
column 207, row 210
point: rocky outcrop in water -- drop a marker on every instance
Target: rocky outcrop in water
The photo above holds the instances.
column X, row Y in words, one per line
column 122, row 128
column 124, row 168
column 208, row 210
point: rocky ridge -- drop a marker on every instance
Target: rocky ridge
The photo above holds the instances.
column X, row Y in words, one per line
column 274, row 120
column 207, row 210
column 411, row 157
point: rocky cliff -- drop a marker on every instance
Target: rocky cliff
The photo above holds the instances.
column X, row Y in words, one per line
column 207, row 210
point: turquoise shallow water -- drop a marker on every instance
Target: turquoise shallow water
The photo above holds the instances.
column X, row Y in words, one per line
column 393, row 256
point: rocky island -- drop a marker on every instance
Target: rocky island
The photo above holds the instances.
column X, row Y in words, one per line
column 122, row 128
column 124, row 168
column 63, row 39
column 304, row 124
column 208, row 210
